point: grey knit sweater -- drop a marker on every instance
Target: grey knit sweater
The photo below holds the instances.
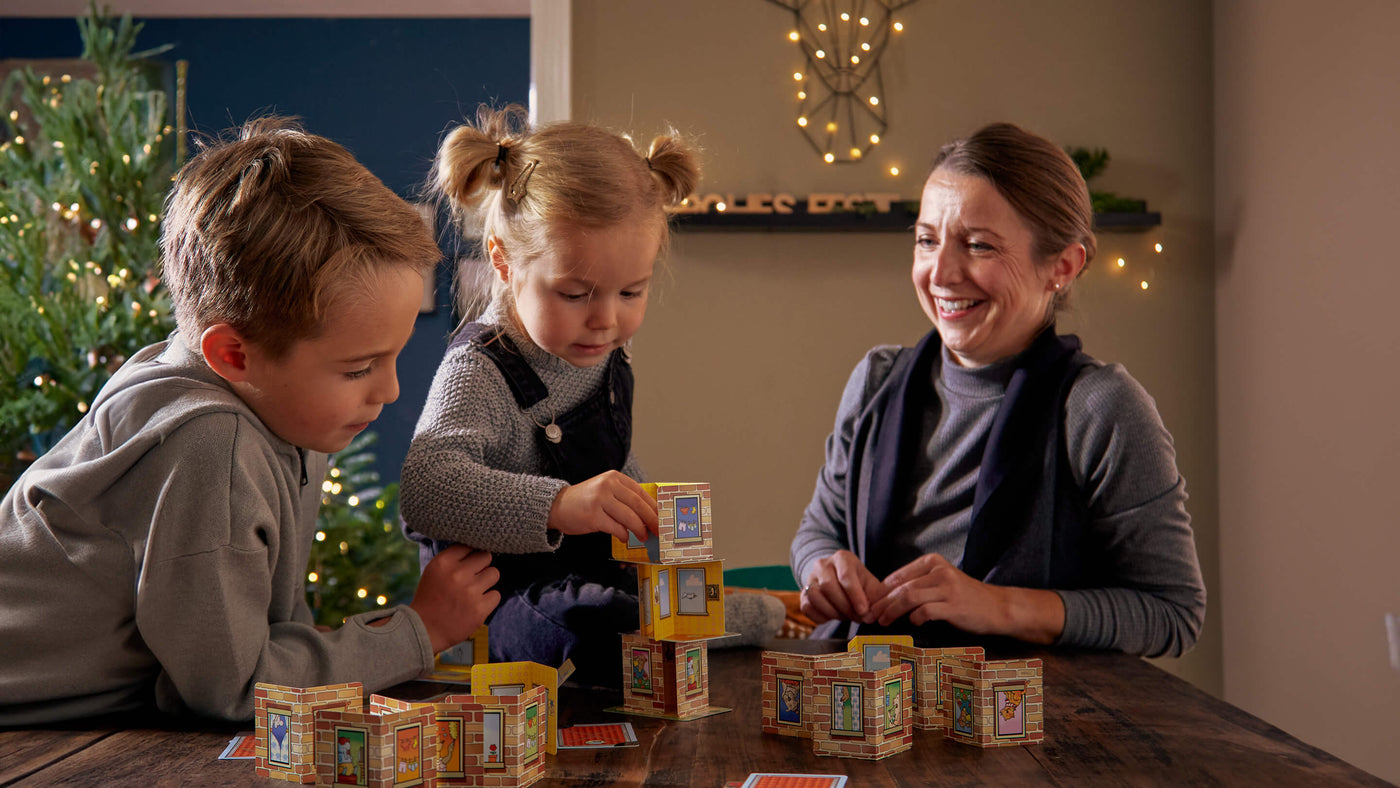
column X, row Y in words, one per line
column 474, row 473
column 1122, row 458
column 157, row 557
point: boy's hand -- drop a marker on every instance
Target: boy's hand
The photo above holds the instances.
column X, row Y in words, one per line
column 611, row 503
column 454, row 595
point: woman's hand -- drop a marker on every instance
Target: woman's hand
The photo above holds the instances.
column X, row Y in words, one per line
column 929, row 588
column 610, row 502
column 840, row 587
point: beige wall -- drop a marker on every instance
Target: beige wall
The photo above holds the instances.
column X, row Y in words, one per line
column 1306, row 118
column 744, row 355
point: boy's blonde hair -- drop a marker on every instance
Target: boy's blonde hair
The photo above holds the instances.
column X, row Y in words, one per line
column 264, row 230
column 523, row 185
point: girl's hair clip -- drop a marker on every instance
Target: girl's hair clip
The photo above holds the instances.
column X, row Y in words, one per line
column 516, row 192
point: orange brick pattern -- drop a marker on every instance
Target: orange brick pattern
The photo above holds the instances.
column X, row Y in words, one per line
column 386, row 759
column 662, row 694
column 930, row 706
column 687, row 551
column 983, row 679
column 512, row 769
column 875, row 740
column 300, row 705
column 673, row 692
column 795, row 668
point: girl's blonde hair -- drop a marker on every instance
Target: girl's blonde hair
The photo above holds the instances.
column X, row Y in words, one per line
column 519, row 184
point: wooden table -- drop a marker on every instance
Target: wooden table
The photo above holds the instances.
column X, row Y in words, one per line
column 1109, row 719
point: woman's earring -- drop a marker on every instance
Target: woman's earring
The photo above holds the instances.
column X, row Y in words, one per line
column 1057, row 287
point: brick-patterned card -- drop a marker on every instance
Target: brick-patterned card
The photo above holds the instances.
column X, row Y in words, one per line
column 776, row 780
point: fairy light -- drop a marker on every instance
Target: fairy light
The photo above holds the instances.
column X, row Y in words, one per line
column 19, row 139
column 126, row 158
column 855, row 153
column 381, row 600
column 312, row 577
column 793, row 36
column 865, row 46
column 131, row 223
column 831, row 126
column 820, row 53
column 899, row 27
column 82, row 407
column 325, row 486
column 797, row 76
column 855, row 60
column 353, row 500
column 845, row 17
column 362, row 593
column 1158, row 247
column 874, row 101
column 802, row 95
column 802, row 121
column 344, row 548
column 335, row 473
column 829, row 158
column 58, row 144
column 874, row 139
column 1144, row 284
column 865, row 21
column 822, row 27
column 1122, row 262
column 101, row 300
column 721, row 207
column 335, row 489
column 894, row 170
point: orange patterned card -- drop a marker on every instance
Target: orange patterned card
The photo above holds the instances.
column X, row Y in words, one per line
column 774, row 780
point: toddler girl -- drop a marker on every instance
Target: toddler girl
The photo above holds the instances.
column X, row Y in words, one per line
column 523, row 447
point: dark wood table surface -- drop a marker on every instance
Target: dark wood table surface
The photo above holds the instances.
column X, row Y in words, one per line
column 1109, row 719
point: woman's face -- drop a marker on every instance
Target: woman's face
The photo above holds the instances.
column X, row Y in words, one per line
column 976, row 272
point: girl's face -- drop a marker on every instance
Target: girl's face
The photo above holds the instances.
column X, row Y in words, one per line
column 976, row 272
column 587, row 295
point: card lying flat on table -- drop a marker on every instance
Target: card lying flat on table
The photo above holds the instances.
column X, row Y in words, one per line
column 240, row 746
column 612, row 734
column 776, row 780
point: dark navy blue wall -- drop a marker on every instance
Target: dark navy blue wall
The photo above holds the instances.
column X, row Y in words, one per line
column 384, row 88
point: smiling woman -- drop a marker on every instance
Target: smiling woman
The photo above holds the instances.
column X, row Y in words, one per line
column 1036, row 486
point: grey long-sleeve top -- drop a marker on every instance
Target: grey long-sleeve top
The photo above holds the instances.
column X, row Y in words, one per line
column 1122, row 459
column 157, row 556
column 474, row 473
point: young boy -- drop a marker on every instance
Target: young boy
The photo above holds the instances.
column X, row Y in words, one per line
column 156, row 557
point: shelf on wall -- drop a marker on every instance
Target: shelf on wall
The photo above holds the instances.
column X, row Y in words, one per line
column 899, row 219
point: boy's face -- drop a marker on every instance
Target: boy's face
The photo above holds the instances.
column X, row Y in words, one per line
column 588, row 295
column 327, row 389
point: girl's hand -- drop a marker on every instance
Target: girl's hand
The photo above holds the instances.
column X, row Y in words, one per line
column 929, row 588
column 454, row 595
column 611, row 503
column 840, row 587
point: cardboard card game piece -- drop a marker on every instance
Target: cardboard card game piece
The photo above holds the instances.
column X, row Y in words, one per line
column 513, row 678
column 779, row 780
column 485, row 740
column 684, row 531
column 454, row 666
column 881, row 651
column 284, row 722
column 681, row 601
column 599, row 736
column 861, row 714
column 665, row 679
column 376, row 748
column 993, row 703
column 785, row 679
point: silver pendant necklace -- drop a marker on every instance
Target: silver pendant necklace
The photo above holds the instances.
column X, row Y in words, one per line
column 552, row 432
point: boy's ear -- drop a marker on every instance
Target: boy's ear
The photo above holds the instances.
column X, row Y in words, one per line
column 226, row 352
column 497, row 250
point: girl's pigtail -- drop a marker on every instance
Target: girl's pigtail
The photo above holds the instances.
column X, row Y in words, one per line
column 675, row 167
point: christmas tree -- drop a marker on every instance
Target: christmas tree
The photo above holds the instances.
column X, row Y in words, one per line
column 359, row 560
column 84, row 167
